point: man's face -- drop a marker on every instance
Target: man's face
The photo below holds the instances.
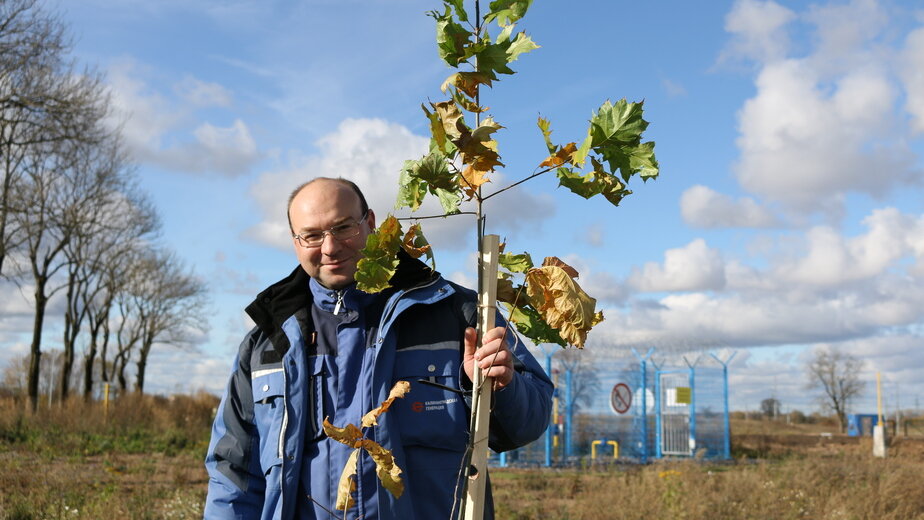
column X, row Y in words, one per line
column 320, row 206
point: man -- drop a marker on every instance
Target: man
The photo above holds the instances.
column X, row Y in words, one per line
column 323, row 349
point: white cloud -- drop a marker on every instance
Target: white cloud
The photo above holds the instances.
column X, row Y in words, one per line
column 705, row 208
column 832, row 260
column 370, row 152
column 806, row 148
column 911, row 70
column 690, row 268
column 203, row 93
column 159, row 130
column 758, row 31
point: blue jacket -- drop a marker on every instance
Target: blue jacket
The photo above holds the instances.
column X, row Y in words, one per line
column 269, row 421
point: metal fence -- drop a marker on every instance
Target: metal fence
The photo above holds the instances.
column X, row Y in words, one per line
column 632, row 407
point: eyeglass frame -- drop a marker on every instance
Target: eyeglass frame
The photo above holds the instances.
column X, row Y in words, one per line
column 303, row 242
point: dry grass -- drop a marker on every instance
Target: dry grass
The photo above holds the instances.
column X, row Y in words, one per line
column 835, row 488
column 145, row 462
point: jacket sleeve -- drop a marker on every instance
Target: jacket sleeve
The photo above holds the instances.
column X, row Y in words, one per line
column 523, row 409
column 236, row 482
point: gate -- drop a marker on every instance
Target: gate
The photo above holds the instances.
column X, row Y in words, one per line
column 675, row 425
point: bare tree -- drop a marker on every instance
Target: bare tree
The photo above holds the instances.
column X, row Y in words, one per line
column 42, row 100
column 115, row 215
column 770, row 407
column 838, row 376
column 170, row 307
column 585, row 382
column 110, row 262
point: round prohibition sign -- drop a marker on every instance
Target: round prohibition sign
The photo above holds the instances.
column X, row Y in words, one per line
column 621, row 398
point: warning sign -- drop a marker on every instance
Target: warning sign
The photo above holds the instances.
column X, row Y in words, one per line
column 621, row 398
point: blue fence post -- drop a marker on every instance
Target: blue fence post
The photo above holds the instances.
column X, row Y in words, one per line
column 569, row 414
column 550, row 432
column 692, row 381
column 643, row 411
column 727, row 439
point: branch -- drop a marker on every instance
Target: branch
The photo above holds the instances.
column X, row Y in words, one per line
column 486, row 197
column 444, row 215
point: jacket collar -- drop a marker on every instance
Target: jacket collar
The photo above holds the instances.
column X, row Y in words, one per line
column 280, row 301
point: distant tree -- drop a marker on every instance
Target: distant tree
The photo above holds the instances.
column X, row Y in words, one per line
column 770, row 407
column 585, row 383
column 837, row 375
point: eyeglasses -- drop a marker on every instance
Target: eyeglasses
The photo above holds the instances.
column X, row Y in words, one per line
column 341, row 232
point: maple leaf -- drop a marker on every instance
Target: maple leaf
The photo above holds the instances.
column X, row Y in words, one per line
column 379, row 261
column 562, row 303
column 507, row 11
column 349, row 434
column 616, row 133
column 411, row 189
column 385, row 468
column 399, row 390
column 451, row 119
column 467, row 82
column 530, row 324
column 545, row 126
column 479, row 154
column 554, row 260
column 451, row 37
column 347, row 484
column 416, row 245
column 561, row 156
column 515, row 263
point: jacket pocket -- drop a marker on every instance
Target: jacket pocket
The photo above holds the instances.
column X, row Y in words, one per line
column 433, row 413
column 269, row 412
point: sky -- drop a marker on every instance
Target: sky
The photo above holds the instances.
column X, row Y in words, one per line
column 787, row 217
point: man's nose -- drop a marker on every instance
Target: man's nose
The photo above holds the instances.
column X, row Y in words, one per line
column 329, row 245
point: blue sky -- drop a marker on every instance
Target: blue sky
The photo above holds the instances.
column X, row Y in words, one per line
column 788, row 215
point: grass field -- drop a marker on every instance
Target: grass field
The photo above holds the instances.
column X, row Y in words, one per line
column 145, row 462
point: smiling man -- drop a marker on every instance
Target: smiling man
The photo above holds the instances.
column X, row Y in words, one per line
column 321, row 348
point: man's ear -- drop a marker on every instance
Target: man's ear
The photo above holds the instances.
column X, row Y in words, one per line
column 370, row 219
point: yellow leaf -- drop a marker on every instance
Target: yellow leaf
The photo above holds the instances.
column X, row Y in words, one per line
column 562, row 156
column 349, row 434
column 347, row 484
column 399, row 390
column 410, row 238
column 467, row 82
column 554, row 260
column 472, row 179
column 385, row 468
column 451, row 118
column 562, row 303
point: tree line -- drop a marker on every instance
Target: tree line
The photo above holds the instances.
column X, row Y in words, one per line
column 74, row 222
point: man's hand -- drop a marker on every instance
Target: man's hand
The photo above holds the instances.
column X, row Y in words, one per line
column 493, row 357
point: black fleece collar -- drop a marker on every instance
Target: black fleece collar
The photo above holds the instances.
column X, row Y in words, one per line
column 290, row 296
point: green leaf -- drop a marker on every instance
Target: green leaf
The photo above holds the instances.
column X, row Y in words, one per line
column 492, row 58
column 515, row 263
column 460, row 9
column 507, row 11
column 450, row 200
column 434, row 170
column 451, row 38
column 581, row 155
column 597, row 182
column 545, row 126
column 379, row 260
column 520, row 45
column 530, row 324
column 411, row 190
column 616, row 132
